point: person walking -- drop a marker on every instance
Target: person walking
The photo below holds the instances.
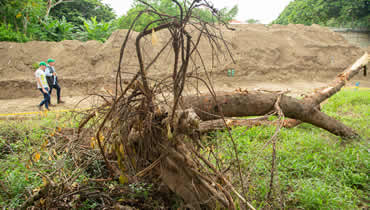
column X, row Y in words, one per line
column 52, row 78
column 42, row 85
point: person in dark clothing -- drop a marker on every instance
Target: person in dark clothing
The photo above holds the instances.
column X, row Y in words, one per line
column 52, row 78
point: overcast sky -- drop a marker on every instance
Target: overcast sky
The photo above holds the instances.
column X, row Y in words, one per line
column 263, row 10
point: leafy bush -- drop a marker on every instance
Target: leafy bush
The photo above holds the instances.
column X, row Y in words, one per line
column 94, row 30
column 7, row 34
column 35, row 66
column 56, row 30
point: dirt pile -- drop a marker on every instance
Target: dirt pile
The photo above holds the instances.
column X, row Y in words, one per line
column 271, row 53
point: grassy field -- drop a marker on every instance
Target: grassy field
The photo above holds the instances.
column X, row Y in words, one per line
column 315, row 169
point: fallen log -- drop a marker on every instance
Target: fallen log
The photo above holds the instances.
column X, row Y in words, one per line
column 257, row 103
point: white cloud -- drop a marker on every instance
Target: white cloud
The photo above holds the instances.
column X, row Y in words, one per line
column 119, row 6
column 263, row 10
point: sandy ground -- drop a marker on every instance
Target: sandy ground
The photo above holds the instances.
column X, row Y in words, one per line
column 294, row 88
column 30, row 104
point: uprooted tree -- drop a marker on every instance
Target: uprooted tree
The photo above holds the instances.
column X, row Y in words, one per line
column 154, row 131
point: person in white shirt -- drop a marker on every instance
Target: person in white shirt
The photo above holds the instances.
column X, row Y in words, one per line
column 42, row 85
column 52, row 79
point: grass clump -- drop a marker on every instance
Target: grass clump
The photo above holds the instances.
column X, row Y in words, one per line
column 20, row 144
column 16, row 145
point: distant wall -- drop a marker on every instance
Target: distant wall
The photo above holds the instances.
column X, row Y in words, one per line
column 358, row 37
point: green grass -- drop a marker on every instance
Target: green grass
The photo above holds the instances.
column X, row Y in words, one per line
column 316, row 170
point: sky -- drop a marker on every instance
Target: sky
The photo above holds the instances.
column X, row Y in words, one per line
column 263, row 10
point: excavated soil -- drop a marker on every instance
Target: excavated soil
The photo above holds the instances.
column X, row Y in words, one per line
column 270, row 57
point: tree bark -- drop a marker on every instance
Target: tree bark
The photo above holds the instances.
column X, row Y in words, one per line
column 181, row 175
column 172, row 160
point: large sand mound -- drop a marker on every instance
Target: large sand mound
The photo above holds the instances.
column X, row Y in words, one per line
column 274, row 53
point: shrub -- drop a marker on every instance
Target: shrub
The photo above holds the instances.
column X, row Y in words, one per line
column 7, row 34
column 94, row 30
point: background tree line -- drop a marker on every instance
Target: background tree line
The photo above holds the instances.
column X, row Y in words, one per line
column 334, row 13
column 54, row 20
column 167, row 6
column 57, row 20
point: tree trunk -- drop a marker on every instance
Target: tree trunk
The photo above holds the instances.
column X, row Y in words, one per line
column 16, row 25
column 25, row 24
column 256, row 103
column 51, row 5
